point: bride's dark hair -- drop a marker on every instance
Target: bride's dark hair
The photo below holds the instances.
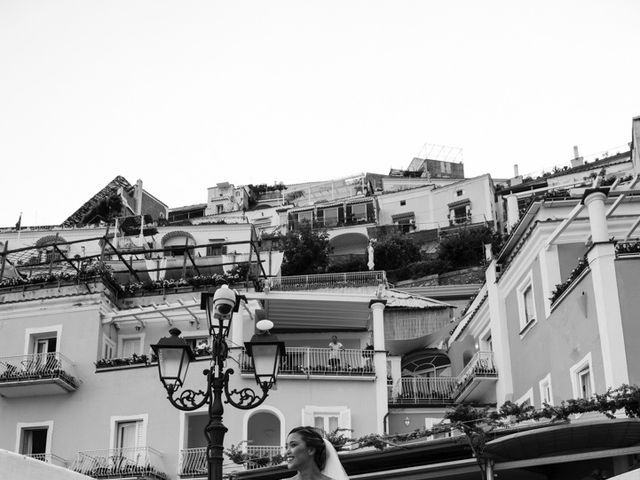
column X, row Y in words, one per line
column 312, row 438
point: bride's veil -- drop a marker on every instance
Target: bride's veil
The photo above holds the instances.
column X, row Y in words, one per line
column 333, row 468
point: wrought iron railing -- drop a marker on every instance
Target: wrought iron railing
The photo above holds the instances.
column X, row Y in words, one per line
column 320, row 361
column 480, row 365
column 418, row 390
column 142, row 462
column 193, row 462
column 262, row 455
column 49, row 458
column 328, row 280
column 424, row 390
column 37, row 366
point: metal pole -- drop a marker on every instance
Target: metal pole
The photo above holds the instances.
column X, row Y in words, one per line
column 215, row 429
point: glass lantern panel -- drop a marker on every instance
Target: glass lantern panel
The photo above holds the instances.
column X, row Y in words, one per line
column 171, row 362
column 264, row 357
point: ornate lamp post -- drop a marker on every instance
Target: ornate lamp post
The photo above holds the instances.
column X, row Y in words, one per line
column 174, row 355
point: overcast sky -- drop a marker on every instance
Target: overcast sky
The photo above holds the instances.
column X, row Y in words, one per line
column 185, row 94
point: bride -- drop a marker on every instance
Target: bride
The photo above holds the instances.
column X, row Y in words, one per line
column 312, row 456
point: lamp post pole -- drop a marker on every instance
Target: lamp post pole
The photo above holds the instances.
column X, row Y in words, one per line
column 174, row 356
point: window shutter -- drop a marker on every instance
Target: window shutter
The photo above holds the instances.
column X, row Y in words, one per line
column 344, row 420
column 307, row 416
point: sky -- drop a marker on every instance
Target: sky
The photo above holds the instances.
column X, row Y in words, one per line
column 185, row 94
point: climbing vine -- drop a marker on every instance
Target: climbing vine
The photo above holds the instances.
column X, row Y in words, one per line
column 479, row 424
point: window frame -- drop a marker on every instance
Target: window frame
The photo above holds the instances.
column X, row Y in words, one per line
column 545, row 384
column 22, row 426
column 576, row 372
column 115, row 420
column 310, row 412
column 32, row 335
column 108, row 343
column 129, row 336
column 525, row 324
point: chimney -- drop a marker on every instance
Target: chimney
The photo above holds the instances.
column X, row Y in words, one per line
column 515, row 170
column 577, row 160
column 138, row 197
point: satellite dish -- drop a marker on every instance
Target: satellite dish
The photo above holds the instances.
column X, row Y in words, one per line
column 264, row 325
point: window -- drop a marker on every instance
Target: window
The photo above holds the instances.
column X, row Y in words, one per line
column 327, row 418
column 108, row 348
column 42, row 340
column 219, row 208
column 130, row 344
column 330, row 216
column 526, row 305
column 305, row 217
column 459, row 193
column 403, row 203
column 546, row 395
column 216, row 250
column 359, row 211
column 459, row 214
column 128, row 432
column 582, row 380
column 34, row 439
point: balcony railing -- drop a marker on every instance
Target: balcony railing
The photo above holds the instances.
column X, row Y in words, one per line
column 481, row 365
column 333, row 222
column 328, row 280
column 442, row 390
column 416, row 390
column 193, row 462
column 38, row 368
column 139, row 463
column 49, row 458
column 321, row 361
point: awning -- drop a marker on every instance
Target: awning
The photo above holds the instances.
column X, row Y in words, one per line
column 403, row 216
column 579, row 436
column 424, row 359
column 49, row 240
column 177, row 234
column 459, row 203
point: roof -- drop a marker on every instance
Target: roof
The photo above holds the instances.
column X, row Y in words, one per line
column 188, row 207
column 108, row 190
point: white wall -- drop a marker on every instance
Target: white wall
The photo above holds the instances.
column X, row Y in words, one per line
column 18, row 467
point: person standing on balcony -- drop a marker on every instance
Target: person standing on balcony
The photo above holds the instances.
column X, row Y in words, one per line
column 312, row 456
column 334, row 352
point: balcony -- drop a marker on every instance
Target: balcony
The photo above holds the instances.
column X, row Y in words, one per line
column 37, row 374
column 476, row 379
column 328, row 280
column 321, row 362
column 142, row 463
column 473, row 384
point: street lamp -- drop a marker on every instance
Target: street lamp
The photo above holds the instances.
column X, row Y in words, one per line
column 174, row 356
